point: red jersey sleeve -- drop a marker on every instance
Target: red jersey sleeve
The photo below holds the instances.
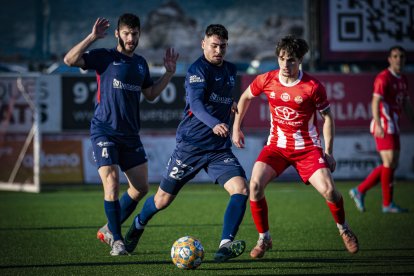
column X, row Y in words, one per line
column 256, row 87
column 320, row 97
column 380, row 84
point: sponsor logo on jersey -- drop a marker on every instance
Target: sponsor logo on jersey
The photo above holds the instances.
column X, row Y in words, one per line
column 217, row 99
column 286, row 113
column 298, row 99
column 285, row 97
column 195, row 78
column 117, row 84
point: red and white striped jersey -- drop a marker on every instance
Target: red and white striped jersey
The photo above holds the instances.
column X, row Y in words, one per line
column 293, row 109
column 393, row 90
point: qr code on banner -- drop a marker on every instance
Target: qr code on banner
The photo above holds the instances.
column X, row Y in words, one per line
column 371, row 24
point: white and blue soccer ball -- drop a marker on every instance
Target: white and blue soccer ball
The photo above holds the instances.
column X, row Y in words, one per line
column 187, row 253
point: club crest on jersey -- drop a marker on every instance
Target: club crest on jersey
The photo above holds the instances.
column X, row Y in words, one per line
column 285, row 97
column 399, row 99
column 298, row 99
column 140, row 69
column 321, row 160
column 231, row 81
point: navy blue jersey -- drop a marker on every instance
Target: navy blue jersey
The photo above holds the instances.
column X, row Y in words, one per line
column 208, row 103
column 120, row 79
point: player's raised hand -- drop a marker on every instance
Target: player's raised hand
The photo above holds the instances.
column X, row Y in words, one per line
column 170, row 60
column 100, row 27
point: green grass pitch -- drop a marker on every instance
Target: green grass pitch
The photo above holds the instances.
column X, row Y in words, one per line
column 54, row 233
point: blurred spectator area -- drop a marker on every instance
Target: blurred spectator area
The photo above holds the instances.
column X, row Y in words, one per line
column 36, row 34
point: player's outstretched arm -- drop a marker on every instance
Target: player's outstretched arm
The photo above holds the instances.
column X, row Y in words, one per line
column 170, row 63
column 328, row 136
column 74, row 56
column 242, row 107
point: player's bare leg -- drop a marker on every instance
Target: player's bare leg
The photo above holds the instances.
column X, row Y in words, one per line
column 323, row 183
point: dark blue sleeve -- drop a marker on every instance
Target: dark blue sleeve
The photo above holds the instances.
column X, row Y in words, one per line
column 196, row 81
column 148, row 82
column 97, row 59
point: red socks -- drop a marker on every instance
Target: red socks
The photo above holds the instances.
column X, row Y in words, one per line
column 260, row 215
column 387, row 177
column 337, row 210
column 372, row 179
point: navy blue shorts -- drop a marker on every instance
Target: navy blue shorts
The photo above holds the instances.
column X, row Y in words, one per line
column 125, row 153
column 185, row 164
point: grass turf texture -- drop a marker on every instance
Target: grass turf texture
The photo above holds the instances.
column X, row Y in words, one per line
column 54, row 233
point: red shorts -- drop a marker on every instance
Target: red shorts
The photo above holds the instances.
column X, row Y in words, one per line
column 306, row 162
column 388, row 142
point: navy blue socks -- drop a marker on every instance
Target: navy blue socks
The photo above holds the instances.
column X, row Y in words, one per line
column 113, row 214
column 233, row 216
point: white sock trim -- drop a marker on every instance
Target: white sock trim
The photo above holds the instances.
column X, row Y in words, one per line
column 342, row 227
column 265, row 235
column 224, row 242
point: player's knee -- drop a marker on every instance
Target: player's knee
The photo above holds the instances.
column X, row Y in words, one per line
column 138, row 193
column 255, row 189
column 242, row 189
column 163, row 200
column 143, row 191
column 329, row 193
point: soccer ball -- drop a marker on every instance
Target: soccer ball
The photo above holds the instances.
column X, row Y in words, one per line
column 187, row 253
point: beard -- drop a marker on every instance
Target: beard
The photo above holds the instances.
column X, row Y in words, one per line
column 122, row 43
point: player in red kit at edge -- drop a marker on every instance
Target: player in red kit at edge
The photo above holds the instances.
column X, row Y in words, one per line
column 389, row 98
column 294, row 99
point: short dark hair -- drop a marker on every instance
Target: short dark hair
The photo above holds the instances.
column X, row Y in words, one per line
column 396, row 47
column 218, row 30
column 294, row 47
column 130, row 20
